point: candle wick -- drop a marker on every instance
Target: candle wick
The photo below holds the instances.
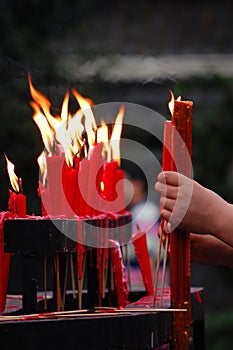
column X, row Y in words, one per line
column 20, row 185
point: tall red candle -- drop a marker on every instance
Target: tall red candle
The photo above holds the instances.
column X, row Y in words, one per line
column 180, row 240
column 70, row 184
column 96, row 161
column 54, row 175
column 109, row 180
column 82, row 206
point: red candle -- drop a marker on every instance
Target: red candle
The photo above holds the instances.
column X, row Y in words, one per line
column 54, row 176
column 109, row 180
column 43, row 191
column 70, row 184
column 96, row 161
column 179, row 240
column 17, row 204
column 17, row 201
column 82, row 206
column 167, row 145
column 21, row 205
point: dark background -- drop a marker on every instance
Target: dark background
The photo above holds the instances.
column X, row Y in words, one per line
column 92, row 46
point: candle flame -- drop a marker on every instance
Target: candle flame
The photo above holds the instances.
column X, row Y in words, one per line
column 46, row 131
column 90, row 124
column 64, row 110
column 171, row 102
column 38, row 97
column 13, row 177
column 116, row 135
column 41, row 160
column 102, row 136
column 67, row 130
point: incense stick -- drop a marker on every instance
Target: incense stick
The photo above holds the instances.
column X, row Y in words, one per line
column 104, row 274
column 72, row 276
column 65, row 284
column 150, row 310
column 80, row 285
column 45, row 282
column 157, row 270
column 58, row 287
column 164, row 270
column 128, row 267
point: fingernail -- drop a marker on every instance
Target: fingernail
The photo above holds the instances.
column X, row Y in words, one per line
column 168, row 228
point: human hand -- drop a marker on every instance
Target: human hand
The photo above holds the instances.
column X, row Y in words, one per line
column 186, row 204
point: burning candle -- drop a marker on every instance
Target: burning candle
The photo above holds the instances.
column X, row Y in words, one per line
column 179, row 240
column 17, row 200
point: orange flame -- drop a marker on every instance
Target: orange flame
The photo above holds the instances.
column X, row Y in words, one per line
column 116, row 135
column 102, row 136
column 90, row 124
column 47, row 133
column 41, row 160
column 67, row 130
column 171, row 102
column 64, row 109
column 13, row 177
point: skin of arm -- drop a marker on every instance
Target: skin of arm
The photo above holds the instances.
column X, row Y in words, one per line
column 191, row 207
column 207, row 249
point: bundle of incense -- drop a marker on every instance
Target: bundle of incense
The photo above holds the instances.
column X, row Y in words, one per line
column 138, row 309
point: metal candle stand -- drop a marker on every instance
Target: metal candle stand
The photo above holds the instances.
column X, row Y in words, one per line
column 30, row 237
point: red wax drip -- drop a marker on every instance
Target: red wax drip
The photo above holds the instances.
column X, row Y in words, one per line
column 120, row 191
column 80, row 250
column 141, row 251
column 119, row 274
column 42, row 190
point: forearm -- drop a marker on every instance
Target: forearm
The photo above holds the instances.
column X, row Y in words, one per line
column 207, row 249
column 223, row 229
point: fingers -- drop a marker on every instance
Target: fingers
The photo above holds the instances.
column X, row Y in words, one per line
column 167, row 203
column 169, row 177
column 166, row 214
column 166, row 190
